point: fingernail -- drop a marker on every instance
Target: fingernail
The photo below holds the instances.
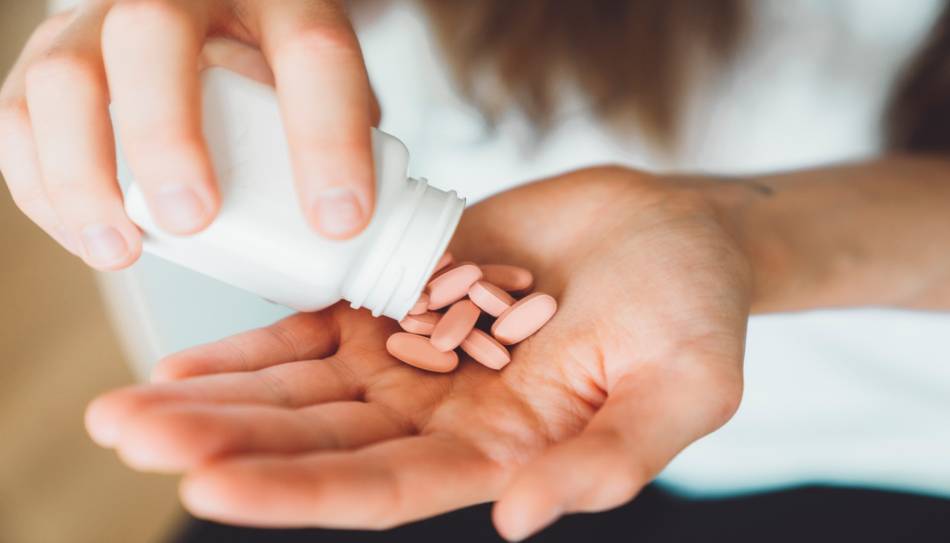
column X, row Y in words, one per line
column 179, row 209
column 338, row 211
column 104, row 245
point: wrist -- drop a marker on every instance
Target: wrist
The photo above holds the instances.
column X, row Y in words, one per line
column 746, row 210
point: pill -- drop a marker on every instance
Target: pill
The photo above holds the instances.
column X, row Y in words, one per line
column 510, row 278
column 489, row 298
column 452, row 285
column 420, row 324
column 443, row 262
column 486, row 350
column 524, row 318
column 455, row 325
column 421, row 305
column 417, row 351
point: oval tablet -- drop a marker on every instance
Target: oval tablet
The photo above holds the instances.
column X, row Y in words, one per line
column 417, row 351
column 452, row 285
column 484, row 349
column 510, row 278
column 420, row 324
column 524, row 318
column 455, row 325
column 421, row 305
column 490, row 298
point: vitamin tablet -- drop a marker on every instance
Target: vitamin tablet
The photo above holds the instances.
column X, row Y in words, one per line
column 484, row 349
column 524, row 318
column 489, row 298
column 420, row 324
column 417, row 351
column 510, row 278
column 455, row 325
column 421, row 305
column 452, row 285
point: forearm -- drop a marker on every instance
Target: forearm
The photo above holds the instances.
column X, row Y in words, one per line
column 874, row 233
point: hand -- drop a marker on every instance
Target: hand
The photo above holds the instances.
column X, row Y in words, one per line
column 56, row 141
column 311, row 423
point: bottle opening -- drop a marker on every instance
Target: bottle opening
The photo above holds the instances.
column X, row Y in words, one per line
column 400, row 259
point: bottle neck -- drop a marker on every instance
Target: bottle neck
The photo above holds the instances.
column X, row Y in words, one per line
column 398, row 259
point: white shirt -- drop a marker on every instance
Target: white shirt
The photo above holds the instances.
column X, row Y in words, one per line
column 856, row 397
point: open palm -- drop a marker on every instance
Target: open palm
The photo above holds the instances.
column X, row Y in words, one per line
column 310, row 422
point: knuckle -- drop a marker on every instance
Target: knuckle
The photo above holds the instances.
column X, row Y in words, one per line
column 320, row 41
column 62, row 69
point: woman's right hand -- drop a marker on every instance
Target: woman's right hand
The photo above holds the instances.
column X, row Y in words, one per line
column 56, row 142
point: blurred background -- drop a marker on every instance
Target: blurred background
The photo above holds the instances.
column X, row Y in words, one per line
column 871, row 416
column 57, row 352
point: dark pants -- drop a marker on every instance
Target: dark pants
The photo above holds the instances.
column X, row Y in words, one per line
column 802, row 515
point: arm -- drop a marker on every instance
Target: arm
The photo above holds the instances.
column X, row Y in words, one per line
column 873, row 233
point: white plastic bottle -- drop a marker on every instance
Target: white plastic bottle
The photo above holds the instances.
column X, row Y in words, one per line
column 260, row 241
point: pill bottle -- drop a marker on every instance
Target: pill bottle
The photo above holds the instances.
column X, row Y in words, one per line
column 260, row 240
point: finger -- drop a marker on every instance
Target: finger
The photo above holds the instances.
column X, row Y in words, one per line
column 376, row 487
column 151, row 50
column 646, row 421
column 177, row 437
column 20, row 168
column 327, row 110
column 75, row 146
column 19, row 163
column 295, row 384
column 302, row 336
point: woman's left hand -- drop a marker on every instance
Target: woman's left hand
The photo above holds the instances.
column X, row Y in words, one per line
column 310, row 422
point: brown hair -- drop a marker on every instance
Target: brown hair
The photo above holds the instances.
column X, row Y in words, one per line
column 617, row 53
column 918, row 118
column 630, row 59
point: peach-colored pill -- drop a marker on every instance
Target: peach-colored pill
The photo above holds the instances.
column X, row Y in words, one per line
column 452, row 285
column 490, row 298
column 443, row 262
column 417, row 351
column 421, row 305
column 420, row 324
column 524, row 318
column 455, row 325
column 510, row 278
column 484, row 349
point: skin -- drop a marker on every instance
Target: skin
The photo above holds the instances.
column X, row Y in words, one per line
column 311, row 423
column 57, row 148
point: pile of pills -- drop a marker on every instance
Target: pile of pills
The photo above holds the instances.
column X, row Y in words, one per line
column 472, row 308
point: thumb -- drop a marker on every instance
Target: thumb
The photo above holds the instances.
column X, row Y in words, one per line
column 649, row 417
